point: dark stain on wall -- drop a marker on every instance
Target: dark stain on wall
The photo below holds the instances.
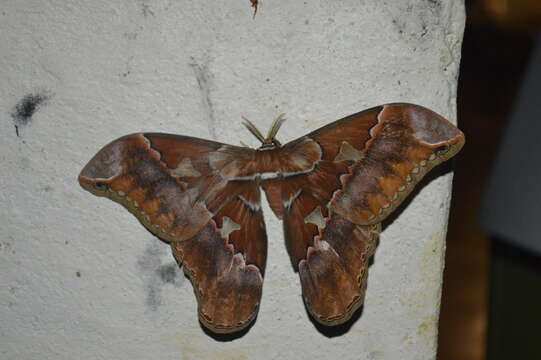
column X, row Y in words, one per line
column 168, row 273
column 204, row 81
column 146, row 10
column 26, row 107
column 255, row 4
column 158, row 274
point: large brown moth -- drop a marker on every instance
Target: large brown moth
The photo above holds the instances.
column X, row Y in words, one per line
column 332, row 188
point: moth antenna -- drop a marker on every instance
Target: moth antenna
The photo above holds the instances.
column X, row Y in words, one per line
column 275, row 127
column 251, row 127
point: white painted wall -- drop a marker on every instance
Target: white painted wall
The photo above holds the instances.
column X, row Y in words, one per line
column 82, row 279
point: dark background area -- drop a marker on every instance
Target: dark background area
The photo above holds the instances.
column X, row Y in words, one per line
column 491, row 295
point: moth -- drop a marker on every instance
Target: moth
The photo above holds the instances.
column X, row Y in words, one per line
column 331, row 188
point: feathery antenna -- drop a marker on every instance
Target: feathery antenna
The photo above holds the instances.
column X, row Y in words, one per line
column 270, row 140
column 275, row 127
column 255, row 131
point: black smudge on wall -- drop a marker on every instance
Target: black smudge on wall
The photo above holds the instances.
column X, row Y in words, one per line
column 204, row 81
column 158, row 274
column 26, row 107
column 169, row 273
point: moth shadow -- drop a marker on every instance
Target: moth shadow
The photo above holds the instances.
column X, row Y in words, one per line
column 435, row 173
column 227, row 337
column 337, row 330
column 216, row 336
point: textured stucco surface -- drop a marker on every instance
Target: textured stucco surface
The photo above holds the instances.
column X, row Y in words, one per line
column 82, row 279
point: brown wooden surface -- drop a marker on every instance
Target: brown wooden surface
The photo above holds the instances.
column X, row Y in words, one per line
column 497, row 44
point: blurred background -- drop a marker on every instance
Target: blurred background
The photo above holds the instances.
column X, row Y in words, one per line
column 491, row 303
